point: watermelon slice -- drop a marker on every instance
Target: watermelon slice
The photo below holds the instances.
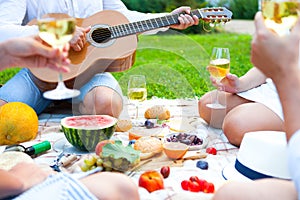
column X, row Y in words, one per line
column 85, row 131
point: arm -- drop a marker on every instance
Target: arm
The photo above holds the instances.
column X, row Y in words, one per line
column 233, row 84
column 20, row 178
column 11, row 18
column 30, row 52
column 133, row 16
column 277, row 58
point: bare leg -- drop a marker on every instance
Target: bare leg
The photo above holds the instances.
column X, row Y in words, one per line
column 102, row 100
column 215, row 117
column 263, row 189
column 2, row 102
column 111, row 186
column 249, row 117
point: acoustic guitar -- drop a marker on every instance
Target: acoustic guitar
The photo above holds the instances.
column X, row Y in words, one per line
column 112, row 44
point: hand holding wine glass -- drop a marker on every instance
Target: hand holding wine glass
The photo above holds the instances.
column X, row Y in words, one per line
column 280, row 15
column 137, row 91
column 218, row 67
column 56, row 27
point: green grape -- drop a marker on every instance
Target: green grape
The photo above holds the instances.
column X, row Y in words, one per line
column 99, row 162
column 84, row 168
column 107, row 163
column 108, row 169
column 90, row 161
column 117, row 162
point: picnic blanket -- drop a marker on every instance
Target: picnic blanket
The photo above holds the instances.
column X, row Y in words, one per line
column 49, row 129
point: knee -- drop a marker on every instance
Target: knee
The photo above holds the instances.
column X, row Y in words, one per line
column 204, row 111
column 102, row 101
column 233, row 129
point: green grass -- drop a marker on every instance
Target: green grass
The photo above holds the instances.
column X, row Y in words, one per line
column 174, row 65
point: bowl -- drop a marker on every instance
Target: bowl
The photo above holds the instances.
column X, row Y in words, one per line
column 188, row 139
column 175, row 150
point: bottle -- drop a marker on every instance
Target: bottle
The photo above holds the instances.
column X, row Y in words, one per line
column 38, row 148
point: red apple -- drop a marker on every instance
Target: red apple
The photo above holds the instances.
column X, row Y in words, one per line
column 151, row 180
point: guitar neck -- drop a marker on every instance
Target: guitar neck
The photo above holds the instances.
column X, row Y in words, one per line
column 147, row 25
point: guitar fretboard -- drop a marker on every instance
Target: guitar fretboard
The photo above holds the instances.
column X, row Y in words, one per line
column 147, row 25
column 213, row 15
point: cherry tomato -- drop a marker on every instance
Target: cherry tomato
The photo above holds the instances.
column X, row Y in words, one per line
column 194, row 178
column 201, row 183
column 194, row 186
column 211, row 150
column 185, row 184
column 209, row 187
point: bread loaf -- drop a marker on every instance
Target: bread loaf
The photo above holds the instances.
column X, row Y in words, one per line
column 10, row 158
column 157, row 112
column 123, row 125
column 148, row 146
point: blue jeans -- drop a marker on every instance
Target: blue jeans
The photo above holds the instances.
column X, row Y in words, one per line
column 21, row 88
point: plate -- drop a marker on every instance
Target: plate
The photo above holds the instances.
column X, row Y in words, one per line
column 202, row 134
column 62, row 145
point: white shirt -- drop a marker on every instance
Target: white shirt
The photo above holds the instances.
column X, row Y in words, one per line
column 294, row 159
column 14, row 13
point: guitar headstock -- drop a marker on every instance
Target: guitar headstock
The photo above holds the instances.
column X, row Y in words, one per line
column 215, row 14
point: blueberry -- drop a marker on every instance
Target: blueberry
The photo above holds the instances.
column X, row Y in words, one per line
column 149, row 124
column 202, row 164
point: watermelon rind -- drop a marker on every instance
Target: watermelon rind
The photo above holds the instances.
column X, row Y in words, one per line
column 86, row 138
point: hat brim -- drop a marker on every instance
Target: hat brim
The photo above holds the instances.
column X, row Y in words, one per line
column 229, row 172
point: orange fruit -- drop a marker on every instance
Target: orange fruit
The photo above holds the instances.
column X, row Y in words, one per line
column 175, row 150
column 18, row 123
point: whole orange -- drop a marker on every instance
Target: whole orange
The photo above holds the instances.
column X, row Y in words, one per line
column 18, row 123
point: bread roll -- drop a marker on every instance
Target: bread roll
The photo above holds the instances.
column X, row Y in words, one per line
column 149, row 147
column 10, row 158
column 157, row 111
column 123, row 125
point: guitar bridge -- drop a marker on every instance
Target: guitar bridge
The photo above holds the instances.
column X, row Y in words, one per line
column 100, row 36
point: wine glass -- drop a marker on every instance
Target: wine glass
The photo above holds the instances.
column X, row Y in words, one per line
column 280, row 15
column 56, row 27
column 219, row 66
column 137, row 91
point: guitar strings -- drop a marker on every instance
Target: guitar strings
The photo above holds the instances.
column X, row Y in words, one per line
column 102, row 34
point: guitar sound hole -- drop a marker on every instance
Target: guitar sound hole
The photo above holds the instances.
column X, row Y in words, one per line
column 101, row 35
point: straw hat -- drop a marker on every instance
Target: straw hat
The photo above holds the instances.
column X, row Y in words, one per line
column 262, row 154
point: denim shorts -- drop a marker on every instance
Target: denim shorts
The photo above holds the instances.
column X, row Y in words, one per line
column 21, row 88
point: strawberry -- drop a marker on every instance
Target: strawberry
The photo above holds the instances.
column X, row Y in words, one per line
column 211, row 150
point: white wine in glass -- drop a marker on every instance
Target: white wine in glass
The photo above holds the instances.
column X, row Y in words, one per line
column 57, row 28
column 280, row 15
column 137, row 91
column 219, row 66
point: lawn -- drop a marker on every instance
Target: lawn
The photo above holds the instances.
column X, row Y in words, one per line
column 174, row 65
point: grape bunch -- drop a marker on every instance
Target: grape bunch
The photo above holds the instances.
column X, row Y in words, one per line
column 107, row 163
column 189, row 139
column 91, row 162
